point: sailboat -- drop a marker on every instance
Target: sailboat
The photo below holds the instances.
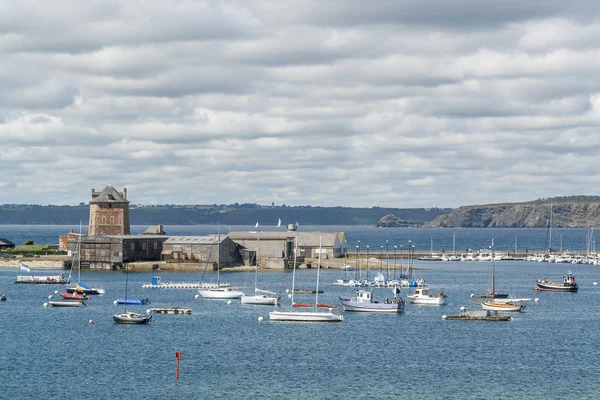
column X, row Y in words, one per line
column 130, row 317
column 260, row 296
column 313, row 315
column 218, row 291
column 80, row 287
column 491, row 294
column 454, row 257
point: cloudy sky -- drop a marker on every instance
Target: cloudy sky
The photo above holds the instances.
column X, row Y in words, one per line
column 351, row 103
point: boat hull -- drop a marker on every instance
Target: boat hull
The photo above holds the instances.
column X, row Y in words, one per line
column 67, row 303
column 351, row 305
column 492, row 306
column 260, row 300
column 132, row 318
column 221, row 293
column 432, row 301
column 305, row 316
column 556, row 288
column 137, row 302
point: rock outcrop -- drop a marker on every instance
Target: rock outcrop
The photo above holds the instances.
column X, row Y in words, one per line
column 391, row 221
column 522, row 215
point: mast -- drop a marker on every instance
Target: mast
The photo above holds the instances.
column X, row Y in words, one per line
column 454, row 243
column 493, row 273
column 256, row 266
column 318, row 271
column 218, row 252
column 294, row 270
column 126, row 281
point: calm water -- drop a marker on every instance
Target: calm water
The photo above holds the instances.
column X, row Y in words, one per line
column 549, row 351
column 505, row 239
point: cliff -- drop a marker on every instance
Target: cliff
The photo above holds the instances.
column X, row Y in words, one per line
column 522, row 215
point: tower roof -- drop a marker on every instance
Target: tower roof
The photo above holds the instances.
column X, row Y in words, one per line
column 108, row 195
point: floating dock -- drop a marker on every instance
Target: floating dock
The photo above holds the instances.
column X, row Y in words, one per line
column 171, row 310
column 477, row 315
column 42, row 279
column 156, row 284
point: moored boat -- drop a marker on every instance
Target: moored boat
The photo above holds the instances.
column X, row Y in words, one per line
column 131, row 318
column 568, row 284
column 137, row 302
column 509, row 306
column 423, row 296
column 74, row 296
column 66, row 303
column 363, row 301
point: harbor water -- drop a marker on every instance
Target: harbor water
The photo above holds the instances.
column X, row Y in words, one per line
column 549, row 351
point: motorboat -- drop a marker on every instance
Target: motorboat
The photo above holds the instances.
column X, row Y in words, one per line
column 260, row 299
column 568, row 284
column 82, row 288
column 423, row 296
column 66, row 303
column 363, row 301
column 137, row 302
column 130, row 317
column 74, row 296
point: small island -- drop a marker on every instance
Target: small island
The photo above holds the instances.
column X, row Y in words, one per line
column 391, row 221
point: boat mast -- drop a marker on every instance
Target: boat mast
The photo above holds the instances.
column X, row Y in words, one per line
column 218, row 252
column 256, row 266
column 493, row 273
column 294, row 270
column 318, row 271
column 126, row 282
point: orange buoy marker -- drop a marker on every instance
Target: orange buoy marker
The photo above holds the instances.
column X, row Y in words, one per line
column 177, row 357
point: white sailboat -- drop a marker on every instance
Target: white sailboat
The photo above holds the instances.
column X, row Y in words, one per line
column 218, row 291
column 81, row 287
column 130, row 317
column 260, row 297
column 313, row 315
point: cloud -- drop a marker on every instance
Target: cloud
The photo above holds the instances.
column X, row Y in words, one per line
column 352, row 103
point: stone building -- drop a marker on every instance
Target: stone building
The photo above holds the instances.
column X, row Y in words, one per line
column 218, row 249
column 112, row 252
column 109, row 212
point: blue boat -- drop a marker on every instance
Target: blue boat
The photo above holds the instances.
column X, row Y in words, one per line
column 138, row 302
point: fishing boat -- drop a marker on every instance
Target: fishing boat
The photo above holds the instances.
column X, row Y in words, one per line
column 74, row 296
column 568, row 284
column 66, row 303
column 491, row 293
column 130, row 317
column 363, row 301
column 260, row 297
column 314, row 315
column 423, row 296
column 466, row 314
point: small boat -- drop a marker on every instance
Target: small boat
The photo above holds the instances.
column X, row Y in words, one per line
column 82, row 288
column 491, row 294
column 509, row 306
column 3, row 297
column 137, row 302
column 363, row 301
column 66, row 303
column 313, row 315
column 306, row 291
column 223, row 293
column 260, row 296
column 568, row 284
column 132, row 318
column 422, row 296
column 466, row 314
column 74, row 296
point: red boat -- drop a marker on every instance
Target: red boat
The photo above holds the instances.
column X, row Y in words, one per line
column 74, row 296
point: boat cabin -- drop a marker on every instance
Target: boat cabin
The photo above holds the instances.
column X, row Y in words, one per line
column 422, row 292
column 364, row 296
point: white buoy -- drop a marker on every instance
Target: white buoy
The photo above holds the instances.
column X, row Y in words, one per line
column 49, row 296
column 595, row 283
column 148, row 311
column 91, row 322
column 289, row 296
column 196, row 296
column 536, row 300
column 287, row 290
column 260, row 318
column 45, row 305
column 56, row 292
column 115, row 302
column 228, row 301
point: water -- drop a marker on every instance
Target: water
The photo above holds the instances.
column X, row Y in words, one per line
column 378, row 239
column 547, row 352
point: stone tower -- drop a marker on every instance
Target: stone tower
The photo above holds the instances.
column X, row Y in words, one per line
column 109, row 212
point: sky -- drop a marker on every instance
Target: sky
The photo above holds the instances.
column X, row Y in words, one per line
column 324, row 103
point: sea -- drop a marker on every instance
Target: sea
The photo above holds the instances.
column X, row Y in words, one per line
column 232, row 351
